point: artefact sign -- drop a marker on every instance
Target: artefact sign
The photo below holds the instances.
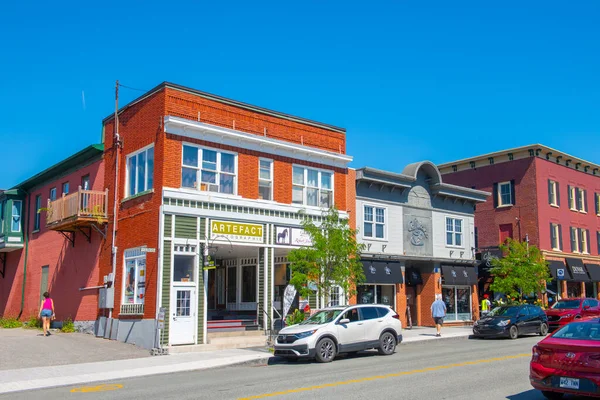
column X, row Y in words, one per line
column 236, row 231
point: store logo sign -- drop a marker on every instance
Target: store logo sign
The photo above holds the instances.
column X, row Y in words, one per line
column 388, row 271
column 236, row 231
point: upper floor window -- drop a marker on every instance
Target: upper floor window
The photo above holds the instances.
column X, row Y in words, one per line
column 597, row 203
column 374, row 222
column 577, row 199
column 140, row 171
column 504, row 194
column 2, row 205
column 265, row 179
column 312, row 187
column 38, row 206
column 208, row 170
column 598, row 241
column 454, row 231
column 65, row 188
column 579, row 240
column 52, row 194
column 16, row 216
column 85, row 180
column 553, row 193
column 556, row 236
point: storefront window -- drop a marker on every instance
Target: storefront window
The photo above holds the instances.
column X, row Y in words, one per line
column 183, row 268
column 377, row 294
column 134, row 276
column 458, row 303
column 249, row 283
column 232, row 284
column 589, row 290
column 573, row 289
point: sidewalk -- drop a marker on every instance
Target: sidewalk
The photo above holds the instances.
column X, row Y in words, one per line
column 63, row 375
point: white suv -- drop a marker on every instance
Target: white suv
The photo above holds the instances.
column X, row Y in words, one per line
column 343, row 329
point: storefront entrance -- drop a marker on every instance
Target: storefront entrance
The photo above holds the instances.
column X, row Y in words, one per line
column 458, row 303
column 184, row 299
column 377, row 294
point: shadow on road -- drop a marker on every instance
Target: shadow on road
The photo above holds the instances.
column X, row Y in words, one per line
column 339, row 359
column 537, row 395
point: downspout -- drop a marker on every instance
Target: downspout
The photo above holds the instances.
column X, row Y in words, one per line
column 26, row 225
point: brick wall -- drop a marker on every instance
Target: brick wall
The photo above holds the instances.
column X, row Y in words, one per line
column 69, row 267
column 523, row 216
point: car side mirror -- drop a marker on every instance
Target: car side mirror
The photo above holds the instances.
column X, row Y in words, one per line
column 586, row 307
column 344, row 321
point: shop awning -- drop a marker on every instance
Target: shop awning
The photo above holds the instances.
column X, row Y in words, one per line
column 578, row 270
column 554, row 266
column 459, row 275
column 413, row 277
column 594, row 271
column 382, row 272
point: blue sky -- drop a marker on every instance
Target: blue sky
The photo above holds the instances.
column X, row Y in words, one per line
column 408, row 80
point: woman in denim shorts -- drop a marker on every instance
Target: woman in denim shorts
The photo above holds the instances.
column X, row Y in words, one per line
column 46, row 313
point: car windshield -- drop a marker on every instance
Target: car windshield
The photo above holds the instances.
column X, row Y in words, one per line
column 567, row 304
column 504, row 312
column 579, row 331
column 322, row 317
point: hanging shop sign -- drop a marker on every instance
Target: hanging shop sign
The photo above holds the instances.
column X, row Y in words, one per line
column 292, row 236
column 236, row 231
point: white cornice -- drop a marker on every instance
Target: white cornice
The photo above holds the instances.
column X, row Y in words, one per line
column 230, row 137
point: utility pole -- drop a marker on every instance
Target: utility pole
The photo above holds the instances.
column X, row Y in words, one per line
column 116, row 146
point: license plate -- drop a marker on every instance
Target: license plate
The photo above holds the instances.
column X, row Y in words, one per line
column 569, row 383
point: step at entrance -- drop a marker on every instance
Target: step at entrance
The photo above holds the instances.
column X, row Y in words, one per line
column 231, row 325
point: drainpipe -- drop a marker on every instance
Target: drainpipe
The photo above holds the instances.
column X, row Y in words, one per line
column 26, row 234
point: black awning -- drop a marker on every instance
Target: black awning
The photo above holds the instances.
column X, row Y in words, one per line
column 382, row 272
column 471, row 275
column 459, row 275
column 556, row 266
column 578, row 271
column 594, row 271
column 449, row 274
column 413, row 277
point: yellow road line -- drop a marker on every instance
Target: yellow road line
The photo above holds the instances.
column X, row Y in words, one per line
column 99, row 388
column 378, row 377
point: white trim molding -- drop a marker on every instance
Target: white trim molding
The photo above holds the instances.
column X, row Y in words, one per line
column 230, row 137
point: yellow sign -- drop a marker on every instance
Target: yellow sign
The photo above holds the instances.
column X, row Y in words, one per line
column 236, row 231
column 99, row 388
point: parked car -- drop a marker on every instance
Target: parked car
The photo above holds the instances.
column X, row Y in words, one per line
column 568, row 361
column 569, row 310
column 336, row 330
column 512, row 322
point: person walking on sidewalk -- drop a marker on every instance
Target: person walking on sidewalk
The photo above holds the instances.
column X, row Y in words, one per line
column 46, row 313
column 486, row 305
column 438, row 312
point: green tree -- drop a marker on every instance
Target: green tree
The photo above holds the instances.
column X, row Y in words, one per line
column 332, row 259
column 522, row 271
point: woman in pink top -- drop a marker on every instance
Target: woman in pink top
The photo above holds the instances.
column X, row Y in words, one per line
column 46, row 312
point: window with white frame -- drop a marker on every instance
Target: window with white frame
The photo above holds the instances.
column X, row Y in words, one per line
column 2, row 205
column 583, row 240
column 265, row 179
column 581, row 200
column 312, row 187
column 555, row 237
column 454, row 232
column 572, row 198
column 134, row 277
column 553, row 193
column 374, row 222
column 36, row 212
column 53, row 194
column 575, row 240
column 597, row 203
column 335, row 296
column 140, row 171
column 504, row 194
column 208, row 170
column 16, row 215
column 65, row 188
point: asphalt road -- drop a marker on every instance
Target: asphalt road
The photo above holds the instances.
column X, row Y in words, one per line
column 445, row 369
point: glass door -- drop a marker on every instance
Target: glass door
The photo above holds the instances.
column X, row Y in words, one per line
column 458, row 303
column 449, row 297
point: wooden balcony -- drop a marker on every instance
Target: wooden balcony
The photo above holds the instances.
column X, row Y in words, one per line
column 83, row 208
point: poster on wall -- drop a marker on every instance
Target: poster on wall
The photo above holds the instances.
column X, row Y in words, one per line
column 141, row 284
column 292, row 236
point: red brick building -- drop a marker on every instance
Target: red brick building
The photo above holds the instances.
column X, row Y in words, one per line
column 545, row 196
column 200, row 177
column 51, row 230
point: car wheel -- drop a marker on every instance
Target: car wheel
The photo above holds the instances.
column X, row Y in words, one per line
column 552, row 395
column 544, row 329
column 513, row 332
column 325, row 350
column 387, row 344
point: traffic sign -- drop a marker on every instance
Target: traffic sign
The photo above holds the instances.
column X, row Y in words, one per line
column 560, row 273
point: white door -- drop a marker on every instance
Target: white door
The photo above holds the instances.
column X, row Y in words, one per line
column 373, row 323
column 183, row 315
column 352, row 333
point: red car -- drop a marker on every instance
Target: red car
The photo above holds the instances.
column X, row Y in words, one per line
column 569, row 310
column 568, row 361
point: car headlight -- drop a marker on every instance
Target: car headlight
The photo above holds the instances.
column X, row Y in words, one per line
column 504, row 323
column 305, row 334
